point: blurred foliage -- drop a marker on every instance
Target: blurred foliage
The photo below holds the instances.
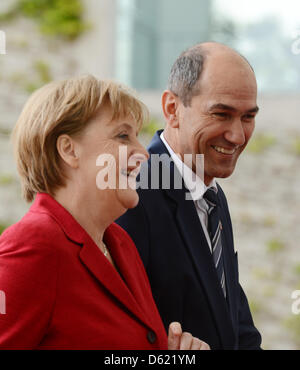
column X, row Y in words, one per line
column 55, row 17
column 275, row 245
column 261, row 274
column 296, row 146
column 6, row 180
column 151, row 127
column 297, row 269
column 269, row 291
column 3, row 227
column 260, row 142
column 41, row 76
column 43, row 71
column 293, row 324
column 4, row 131
column 269, row 221
column 255, row 307
column 245, row 218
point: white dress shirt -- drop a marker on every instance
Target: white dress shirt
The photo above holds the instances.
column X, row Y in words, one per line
column 189, row 178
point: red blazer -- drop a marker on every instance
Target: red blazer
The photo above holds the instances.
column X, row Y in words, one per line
column 62, row 293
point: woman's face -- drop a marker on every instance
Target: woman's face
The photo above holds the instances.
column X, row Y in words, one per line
column 109, row 160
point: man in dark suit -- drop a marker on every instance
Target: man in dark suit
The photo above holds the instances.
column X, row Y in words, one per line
column 184, row 233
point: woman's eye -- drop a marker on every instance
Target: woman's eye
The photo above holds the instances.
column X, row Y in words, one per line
column 123, row 136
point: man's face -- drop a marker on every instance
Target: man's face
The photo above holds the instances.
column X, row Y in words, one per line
column 220, row 121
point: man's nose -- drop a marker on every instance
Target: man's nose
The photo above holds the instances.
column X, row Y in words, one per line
column 236, row 133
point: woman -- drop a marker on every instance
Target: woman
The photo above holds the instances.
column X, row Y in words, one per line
column 72, row 278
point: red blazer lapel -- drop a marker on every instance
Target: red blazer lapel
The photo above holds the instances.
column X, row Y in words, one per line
column 130, row 266
column 105, row 273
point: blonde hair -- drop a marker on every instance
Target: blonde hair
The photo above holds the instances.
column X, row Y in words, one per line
column 63, row 107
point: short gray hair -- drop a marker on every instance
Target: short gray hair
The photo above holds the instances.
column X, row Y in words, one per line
column 185, row 73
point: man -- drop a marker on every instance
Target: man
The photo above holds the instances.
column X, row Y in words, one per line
column 187, row 245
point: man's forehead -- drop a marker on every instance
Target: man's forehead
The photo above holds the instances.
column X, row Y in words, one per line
column 227, row 91
column 227, row 100
column 233, row 107
column 227, row 71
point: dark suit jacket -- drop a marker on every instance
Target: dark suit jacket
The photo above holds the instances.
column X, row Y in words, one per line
column 62, row 293
column 168, row 234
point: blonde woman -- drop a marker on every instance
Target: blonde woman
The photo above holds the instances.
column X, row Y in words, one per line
column 72, row 278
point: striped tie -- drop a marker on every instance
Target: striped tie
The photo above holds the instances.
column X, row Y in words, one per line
column 215, row 230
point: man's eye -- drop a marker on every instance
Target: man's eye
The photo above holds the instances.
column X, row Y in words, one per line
column 248, row 117
column 221, row 115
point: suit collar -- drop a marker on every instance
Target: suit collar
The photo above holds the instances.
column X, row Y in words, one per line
column 193, row 183
column 156, row 146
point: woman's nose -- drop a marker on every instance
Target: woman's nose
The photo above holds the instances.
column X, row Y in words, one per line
column 141, row 152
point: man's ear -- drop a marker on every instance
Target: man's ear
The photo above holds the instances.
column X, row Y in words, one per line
column 170, row 103
column 66, row 148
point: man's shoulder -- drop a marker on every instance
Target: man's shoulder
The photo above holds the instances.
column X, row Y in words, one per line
column 222, row 195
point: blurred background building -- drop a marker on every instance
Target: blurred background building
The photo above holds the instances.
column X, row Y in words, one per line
column 136, row 42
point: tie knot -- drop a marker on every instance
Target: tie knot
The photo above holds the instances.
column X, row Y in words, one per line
column 211, row 196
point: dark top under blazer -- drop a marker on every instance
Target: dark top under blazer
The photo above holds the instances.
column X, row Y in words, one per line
column 168, row 234
column 62, row 292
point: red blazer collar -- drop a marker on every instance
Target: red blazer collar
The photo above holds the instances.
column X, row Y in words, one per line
column 45, row 203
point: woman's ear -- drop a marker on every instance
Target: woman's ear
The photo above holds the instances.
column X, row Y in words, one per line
column 66, row 148
column 169, row 106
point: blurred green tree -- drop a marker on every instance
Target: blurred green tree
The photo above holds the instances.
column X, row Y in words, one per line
column 60, row 18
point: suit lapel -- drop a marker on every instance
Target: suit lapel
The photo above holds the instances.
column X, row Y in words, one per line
column 229, row 270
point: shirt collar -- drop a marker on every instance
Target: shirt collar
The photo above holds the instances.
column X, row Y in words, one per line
column 191, row 180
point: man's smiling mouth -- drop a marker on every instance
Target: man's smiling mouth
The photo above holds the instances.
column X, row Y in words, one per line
column 222, row 150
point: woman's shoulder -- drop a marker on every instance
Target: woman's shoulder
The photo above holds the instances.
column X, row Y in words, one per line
column 34, row 229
